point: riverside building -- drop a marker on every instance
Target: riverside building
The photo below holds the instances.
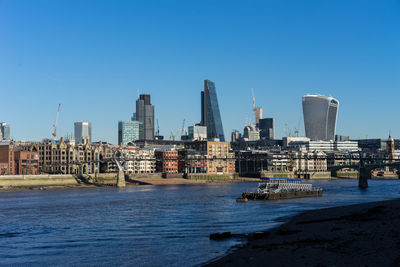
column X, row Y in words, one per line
column 14, row 160
column 326, row 146
column 217, row 158
column 64, row 157
column 139, row 160
column 320, row 114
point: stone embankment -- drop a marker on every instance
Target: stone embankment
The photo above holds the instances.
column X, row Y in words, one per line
column 16, row 182
column 54, row 180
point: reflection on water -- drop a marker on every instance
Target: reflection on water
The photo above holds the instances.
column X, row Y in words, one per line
column 149, row 225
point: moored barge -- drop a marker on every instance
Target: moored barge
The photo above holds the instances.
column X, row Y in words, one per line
column 282, row 188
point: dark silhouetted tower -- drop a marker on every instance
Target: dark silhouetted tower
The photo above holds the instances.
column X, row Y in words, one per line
column 210, row 115
column 145, row 115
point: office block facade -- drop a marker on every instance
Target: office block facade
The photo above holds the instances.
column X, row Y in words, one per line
column 258, row 111
column 267, row 128
column 197, row 132
column 210, row 114
column 320, row 113
column 83, row 132
column 129, row 131
column 5, row 131
column 145, row 115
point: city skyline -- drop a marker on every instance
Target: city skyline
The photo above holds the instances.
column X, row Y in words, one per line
column 95, row 71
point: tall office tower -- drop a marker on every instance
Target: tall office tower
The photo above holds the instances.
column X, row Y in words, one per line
column 145, row 115
column 267, row 128
column 258, row 113
column 210, row 115
column 320, row 113
column 129, row 131
column 5, row 131
column 83, row 132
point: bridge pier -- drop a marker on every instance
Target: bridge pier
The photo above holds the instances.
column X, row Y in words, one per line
column 364, row 175
column 121, row 179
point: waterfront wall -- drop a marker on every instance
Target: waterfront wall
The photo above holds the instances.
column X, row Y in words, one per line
column 204, row 176
column 52, row 180
column 36, row 180
column 305, row 175
column 347, row 174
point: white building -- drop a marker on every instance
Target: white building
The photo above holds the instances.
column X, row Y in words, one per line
column 251, row 133
column 259, row 114
column 83, row 132
column 139, row 161
column 197, row 132
column 309, row 161
column 326, row 146
column 290, row 139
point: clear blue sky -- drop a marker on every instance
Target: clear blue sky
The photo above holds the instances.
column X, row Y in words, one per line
column 92, row 56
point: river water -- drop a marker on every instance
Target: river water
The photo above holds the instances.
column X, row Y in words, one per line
column 149, row 225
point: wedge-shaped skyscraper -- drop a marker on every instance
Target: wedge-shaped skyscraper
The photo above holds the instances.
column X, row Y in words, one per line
column 210, row 115
column 320, row 113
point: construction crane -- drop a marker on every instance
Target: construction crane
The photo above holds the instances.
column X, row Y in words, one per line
column 158, row 129
column 254, row 101
column 56, row 122
column 180, row 131
column 183, row 131
column 254, row 106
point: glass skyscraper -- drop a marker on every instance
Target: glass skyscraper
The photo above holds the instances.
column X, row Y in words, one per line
column 267, row 128
column 320, row 113
column 145, row 114
column 210, row 115
column 129, row 131
column 83, row 132
column 5, row 131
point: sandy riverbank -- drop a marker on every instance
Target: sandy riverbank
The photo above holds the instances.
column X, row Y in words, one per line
column 76, row 183
column 356, row 235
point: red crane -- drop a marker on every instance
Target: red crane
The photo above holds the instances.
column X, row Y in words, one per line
column 56, row 122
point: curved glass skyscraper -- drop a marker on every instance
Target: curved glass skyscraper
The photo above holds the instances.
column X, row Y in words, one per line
column 320, row 113
column 210, row 115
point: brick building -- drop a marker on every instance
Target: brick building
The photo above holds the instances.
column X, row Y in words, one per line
column 192, row 161
column 26, row 162
column 14, row 160
column 218, row 158
column 7, row 166
column 167, row 161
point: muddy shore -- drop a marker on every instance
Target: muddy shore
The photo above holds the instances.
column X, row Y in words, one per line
column 357, row 235
column 75, row 183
